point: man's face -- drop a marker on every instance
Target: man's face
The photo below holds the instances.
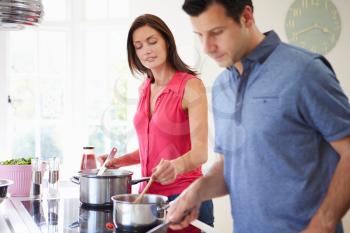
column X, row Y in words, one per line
column 223, row 39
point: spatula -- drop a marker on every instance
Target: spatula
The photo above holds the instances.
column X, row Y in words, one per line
column 109, row 157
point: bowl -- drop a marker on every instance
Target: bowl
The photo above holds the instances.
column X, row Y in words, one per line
column 4, row 183
column 21, row 175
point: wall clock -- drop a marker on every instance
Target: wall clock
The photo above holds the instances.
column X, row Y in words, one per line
column 313, row 24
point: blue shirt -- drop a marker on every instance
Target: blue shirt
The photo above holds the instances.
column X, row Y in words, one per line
column 273, row 124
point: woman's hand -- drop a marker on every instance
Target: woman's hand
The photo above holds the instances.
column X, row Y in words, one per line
column 165, row 172
column 121, row 161
column 112, row 163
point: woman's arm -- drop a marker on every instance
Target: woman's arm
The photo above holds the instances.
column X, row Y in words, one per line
column 121, row 161
column 195, row 102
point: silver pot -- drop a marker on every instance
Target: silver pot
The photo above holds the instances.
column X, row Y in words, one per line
column 140, row 216
column 98, row 190
column 3, row 188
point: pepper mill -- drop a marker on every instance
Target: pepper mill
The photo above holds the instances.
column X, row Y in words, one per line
column 35, row 191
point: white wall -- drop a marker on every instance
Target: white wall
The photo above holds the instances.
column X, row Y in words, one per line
column 269, row 15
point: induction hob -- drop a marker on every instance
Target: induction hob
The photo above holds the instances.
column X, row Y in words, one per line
column 69, row 216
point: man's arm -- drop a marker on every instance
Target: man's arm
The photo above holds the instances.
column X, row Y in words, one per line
column 209, row 186
column 337, row 200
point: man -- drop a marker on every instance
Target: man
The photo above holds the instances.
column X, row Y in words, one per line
column 282, row 127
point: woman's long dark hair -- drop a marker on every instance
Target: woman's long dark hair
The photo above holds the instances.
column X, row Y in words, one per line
column 157, row 24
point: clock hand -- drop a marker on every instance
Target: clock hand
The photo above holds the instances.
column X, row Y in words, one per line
column 326, row 30
column 323, row 29
column 315, row 26
column 305, row 30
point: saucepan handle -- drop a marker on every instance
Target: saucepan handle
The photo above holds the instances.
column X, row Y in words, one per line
column 165, row 222
column 163, row 207
column 132, row 182
column 75, row 179
column 160, row 227
column 161, row 211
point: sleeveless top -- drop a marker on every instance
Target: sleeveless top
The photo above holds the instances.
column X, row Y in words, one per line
column 165, row 134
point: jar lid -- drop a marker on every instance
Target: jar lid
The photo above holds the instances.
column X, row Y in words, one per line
column 88, row 147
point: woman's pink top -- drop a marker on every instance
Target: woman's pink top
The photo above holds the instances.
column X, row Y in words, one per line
column 165, row 134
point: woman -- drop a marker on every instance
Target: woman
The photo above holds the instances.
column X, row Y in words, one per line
column 171, row 118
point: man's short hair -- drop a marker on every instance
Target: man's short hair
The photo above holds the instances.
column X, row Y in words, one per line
column 234, row 8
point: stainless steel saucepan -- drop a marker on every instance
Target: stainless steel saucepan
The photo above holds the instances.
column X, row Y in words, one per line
column 98, row 190
column 3, row 188
column 141, row 216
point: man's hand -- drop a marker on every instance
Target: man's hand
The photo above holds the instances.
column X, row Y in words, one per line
column 184, row 209
column 337, row 200
column 316, row 225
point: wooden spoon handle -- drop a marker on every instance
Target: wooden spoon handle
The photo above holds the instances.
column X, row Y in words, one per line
column 139, row 198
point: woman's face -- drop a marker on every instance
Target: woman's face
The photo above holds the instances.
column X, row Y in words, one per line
column 150, row 47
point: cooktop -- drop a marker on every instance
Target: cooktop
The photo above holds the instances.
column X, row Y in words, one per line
column 69, row 216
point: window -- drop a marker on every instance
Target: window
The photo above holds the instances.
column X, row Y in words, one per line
column 68, row 80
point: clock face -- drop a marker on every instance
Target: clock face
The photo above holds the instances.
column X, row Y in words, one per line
column 313, row 24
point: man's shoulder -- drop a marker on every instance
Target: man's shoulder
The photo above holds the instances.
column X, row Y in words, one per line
column 223, row 77
column 296, row 61
column 293, row 54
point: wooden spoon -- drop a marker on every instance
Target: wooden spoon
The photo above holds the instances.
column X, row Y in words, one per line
column 139, row 198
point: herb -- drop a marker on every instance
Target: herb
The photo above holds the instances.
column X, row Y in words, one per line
column 19, row 161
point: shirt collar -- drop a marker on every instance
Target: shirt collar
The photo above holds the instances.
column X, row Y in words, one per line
column 262, row 51
column 173, row 84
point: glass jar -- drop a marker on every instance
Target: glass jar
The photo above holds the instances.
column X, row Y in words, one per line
column 88, row 160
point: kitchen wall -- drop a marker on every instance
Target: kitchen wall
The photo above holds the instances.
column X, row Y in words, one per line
column 269, row 15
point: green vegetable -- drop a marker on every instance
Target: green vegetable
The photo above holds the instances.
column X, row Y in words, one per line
column 19, row 161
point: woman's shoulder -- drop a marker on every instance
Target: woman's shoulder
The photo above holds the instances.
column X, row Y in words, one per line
column 185, row 75
column 194, row 88
column 190, row 80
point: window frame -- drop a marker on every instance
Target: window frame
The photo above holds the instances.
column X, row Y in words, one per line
column 75, row 27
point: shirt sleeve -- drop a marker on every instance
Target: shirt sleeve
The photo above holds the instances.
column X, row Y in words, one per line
column 323, row 104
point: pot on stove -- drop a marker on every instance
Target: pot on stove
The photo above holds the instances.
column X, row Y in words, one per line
column 138, row 217
column 98, row 190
